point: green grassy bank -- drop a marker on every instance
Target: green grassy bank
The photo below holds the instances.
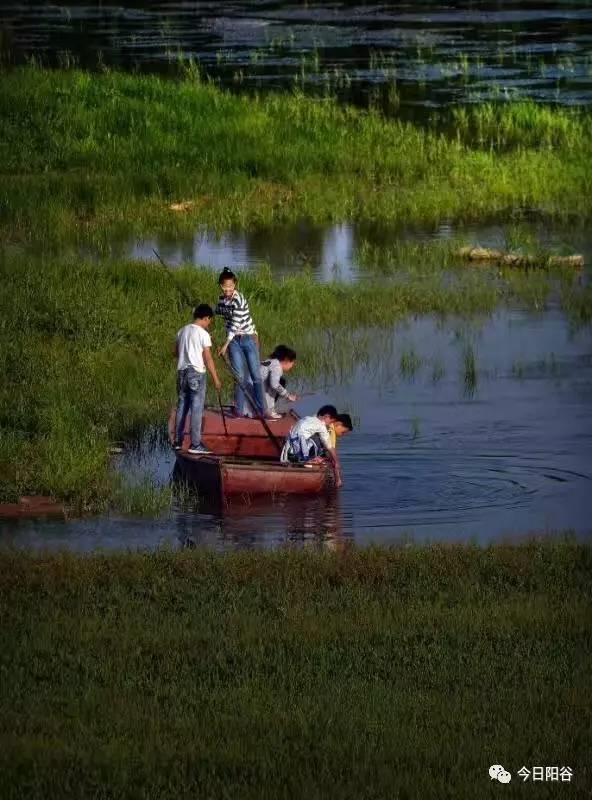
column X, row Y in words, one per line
column 376, row 674
column 85, row 153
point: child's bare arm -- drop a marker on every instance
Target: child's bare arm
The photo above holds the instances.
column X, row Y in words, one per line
column 211, row 367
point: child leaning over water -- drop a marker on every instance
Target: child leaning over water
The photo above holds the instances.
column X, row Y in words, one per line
column 309, row 439
column 242, row 342
column 272, row 371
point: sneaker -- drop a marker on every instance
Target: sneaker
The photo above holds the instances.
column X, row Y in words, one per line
column 273, row 415
column 176, row 447
column 200, row 450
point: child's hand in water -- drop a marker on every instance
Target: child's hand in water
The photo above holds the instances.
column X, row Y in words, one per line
column 292, row 398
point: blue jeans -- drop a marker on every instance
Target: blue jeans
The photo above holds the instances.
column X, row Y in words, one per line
column 191, row 386
column 244, row 359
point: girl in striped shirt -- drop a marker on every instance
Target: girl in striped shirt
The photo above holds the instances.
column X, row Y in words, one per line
column 242, row 342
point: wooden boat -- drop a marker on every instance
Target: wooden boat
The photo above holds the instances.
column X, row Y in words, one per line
column 222, row 476
column 245, row 438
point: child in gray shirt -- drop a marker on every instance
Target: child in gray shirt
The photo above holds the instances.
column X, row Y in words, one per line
column 272, row 370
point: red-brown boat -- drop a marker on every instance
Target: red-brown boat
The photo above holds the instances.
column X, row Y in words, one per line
column 223, row 476
column 238, row 436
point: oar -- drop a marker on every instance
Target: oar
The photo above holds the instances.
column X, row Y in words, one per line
column 249, row 397
column 222, row 412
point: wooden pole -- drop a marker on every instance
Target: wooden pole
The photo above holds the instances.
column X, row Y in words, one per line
column 249, row 397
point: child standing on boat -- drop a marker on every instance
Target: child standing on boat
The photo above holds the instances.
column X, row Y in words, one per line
column 309, row 439
column 242, row 343
column 192, row 351
column 272, row 371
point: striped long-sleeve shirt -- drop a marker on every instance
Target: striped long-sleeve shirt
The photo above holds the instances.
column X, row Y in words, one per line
column 236, row 314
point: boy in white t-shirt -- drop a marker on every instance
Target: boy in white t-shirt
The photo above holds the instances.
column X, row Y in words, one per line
column 309, row 438
column 192, row 351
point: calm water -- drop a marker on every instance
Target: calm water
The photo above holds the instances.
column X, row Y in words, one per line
column 336, row 252
column 431, row 457
column 409, row 57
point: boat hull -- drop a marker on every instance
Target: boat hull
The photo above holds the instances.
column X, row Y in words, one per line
column 226, row 477
column 243, row 438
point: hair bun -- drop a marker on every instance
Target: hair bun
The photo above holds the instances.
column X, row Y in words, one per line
column 226, row 274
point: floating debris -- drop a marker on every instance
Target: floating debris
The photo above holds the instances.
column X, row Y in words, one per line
column 518, row 260
column 29, row 507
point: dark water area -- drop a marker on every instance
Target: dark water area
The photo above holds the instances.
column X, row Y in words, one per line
column 436, row 454
column 409, row 58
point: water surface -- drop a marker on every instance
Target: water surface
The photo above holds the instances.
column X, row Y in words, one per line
column 433, row 456
column 410, row 58
column 340, row 251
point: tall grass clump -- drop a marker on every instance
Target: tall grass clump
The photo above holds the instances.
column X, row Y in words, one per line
column 470, row 373
column 523, row 125
column 82, row 153
column 142, row 497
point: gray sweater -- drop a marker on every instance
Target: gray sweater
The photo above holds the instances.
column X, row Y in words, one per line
column 271, row 372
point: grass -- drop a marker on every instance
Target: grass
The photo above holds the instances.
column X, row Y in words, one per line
column 380, row 673
column 143, row 497
column 470, row 373
column 87, row 155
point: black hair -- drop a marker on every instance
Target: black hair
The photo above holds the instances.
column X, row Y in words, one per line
column 227, row 275
column 327, row 411
column 202, row 311
column 284, row 353
column 345, row 420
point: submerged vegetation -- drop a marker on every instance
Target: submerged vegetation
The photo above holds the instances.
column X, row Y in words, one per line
column 379, row 673
column 83, row 154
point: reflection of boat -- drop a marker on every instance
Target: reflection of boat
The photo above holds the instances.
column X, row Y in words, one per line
column 263, row 521
column 223, row 476
column 242, row 437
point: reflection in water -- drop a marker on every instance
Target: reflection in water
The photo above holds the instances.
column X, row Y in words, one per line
column 336, row 252
column 243, row 523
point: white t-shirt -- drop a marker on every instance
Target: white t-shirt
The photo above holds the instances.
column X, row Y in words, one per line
column 191, row 341
column 308, row 426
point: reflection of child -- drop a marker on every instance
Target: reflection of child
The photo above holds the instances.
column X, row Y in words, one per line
column 272, row 371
